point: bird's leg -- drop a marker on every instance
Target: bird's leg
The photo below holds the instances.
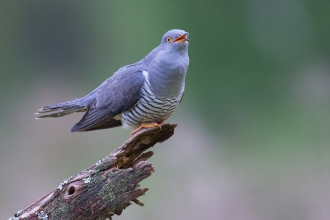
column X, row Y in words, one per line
column 148, row 125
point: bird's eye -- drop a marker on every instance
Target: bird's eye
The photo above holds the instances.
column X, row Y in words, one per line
column 169, row 40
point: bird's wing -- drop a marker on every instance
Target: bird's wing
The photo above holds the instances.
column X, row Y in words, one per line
column 116, row 95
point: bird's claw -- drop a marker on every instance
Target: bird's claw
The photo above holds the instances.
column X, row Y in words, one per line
column 149, row 125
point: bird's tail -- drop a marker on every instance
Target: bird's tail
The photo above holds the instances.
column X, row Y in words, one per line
column 61, row 109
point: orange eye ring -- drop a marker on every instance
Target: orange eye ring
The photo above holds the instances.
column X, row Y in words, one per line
column 168, row 39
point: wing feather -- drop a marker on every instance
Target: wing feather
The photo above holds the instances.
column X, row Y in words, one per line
column 116, row 95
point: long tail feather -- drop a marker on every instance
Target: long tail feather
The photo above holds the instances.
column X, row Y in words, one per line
column 61, row 109
column 61, row 112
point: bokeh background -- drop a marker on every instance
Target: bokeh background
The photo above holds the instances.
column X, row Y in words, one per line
column 254, row 125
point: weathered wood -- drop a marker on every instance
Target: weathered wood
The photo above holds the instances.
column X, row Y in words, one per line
column 105, row 188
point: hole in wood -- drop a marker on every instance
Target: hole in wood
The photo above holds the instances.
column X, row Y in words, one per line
column 71, row 190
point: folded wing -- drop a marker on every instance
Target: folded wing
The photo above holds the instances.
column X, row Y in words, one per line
column 116, row 95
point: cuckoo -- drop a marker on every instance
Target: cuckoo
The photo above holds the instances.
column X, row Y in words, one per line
column 140, row 95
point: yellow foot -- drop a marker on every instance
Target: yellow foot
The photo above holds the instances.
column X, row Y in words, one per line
column 149, row 125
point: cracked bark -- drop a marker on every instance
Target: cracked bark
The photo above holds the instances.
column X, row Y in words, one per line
column 107, row 187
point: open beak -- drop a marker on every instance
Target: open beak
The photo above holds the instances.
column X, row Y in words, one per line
column 182, row 39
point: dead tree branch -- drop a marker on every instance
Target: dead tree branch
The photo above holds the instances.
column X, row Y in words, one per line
column 107, row 187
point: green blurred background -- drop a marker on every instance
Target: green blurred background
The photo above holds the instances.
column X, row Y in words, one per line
column 254, row 125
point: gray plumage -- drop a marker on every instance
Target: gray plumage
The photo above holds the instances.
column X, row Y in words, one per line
column 147, row 91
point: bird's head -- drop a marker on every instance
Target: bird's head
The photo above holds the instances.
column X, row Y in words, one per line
column 175, row 39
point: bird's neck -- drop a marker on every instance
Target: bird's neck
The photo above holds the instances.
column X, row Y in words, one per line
column 167, row 73
column 147, row 59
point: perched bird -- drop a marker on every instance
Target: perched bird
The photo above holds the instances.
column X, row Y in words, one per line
column 140, row 95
